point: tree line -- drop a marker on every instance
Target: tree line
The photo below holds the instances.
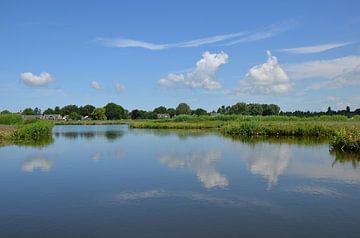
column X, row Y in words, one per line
column 113, row 111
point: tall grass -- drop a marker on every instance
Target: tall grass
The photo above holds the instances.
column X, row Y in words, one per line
column 346, row 140
column 33, row 131
column 10, row 119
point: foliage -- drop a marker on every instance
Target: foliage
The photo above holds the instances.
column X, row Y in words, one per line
column 86, row 110
column 10, row 119
column 346, row 139
column 183, row 108
column 98, row 114
column 28, row 111
column 200, row 112
column 114, row 111
column 74, row 116
column 160, row 110
column 33, row 131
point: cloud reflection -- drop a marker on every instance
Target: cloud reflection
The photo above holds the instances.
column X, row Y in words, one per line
column 203, row 163
column 42, row 164
column 269, row 161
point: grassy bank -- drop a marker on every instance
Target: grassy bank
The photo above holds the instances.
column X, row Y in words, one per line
column 342, row 132
column 16, row 130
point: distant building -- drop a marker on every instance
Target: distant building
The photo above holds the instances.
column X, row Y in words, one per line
column 52, row 117
column 162, row 115
column 31, row 116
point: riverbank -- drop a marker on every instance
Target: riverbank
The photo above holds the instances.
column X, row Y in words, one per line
column 342, row 133
column 16, row 130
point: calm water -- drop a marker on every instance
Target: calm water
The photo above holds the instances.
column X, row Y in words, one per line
column 110, row 181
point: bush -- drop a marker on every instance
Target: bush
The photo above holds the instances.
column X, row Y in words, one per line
column 33, row 131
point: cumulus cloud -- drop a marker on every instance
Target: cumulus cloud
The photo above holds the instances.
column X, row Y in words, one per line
column 314, row 48
column 267, row 78
column 338, row 72
column 95, row 85
column 119, row 87
column 42, row 79
column 203, row 76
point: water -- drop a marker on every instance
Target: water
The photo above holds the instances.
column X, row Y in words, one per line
column 110, row 181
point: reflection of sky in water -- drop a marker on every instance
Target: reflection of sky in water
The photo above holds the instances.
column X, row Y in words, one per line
column 140, row 180
column 30, row 165
column 203, row 163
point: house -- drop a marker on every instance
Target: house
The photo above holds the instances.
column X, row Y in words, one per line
column 163, row 115
column 52, row 117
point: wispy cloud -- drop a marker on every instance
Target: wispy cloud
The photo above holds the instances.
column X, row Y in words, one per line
column 119, row 87
column 338, row 72
column 225, row 39
column 126, row 43
column 314, row 48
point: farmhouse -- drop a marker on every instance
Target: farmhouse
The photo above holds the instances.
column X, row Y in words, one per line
column 52, row 117
column 162, row 115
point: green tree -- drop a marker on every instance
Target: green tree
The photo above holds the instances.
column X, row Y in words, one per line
column 57, row 110
column 86, row 110
column 183, row 108
column 114, row 111
column 200, row 112
column 74, row 116
column 66, row 110
column 49, row 111
column 5, row 112
column 171, row 112
column 160, row 110
column 239, row 108
column 28, row 111
column 98, row 114
column 37, row 111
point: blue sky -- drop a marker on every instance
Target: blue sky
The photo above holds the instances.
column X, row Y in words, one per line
column 142, row 54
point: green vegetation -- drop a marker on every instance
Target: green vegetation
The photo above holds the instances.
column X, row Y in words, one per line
column 15, row 129
column 346, row 139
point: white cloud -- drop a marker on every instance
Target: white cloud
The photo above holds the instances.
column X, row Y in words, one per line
column 201, row 77
column 234, row 38
column 314, row 48
column 119, row 87
column 42, row 79
column 338, row 72
column 267, row 78
column 30, row 165
column 95, row 85
column 202, row 163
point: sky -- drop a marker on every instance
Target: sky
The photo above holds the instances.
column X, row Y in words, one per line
column 301, row 55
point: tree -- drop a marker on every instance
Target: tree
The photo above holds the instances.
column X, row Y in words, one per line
column 183, row 108
column 74, row 116
column 114, row 111
column 49, row 111
column 171, row 112
column 66, row 110
column 37, row 111
column 5, row 112
column 136, row 114
column 86, row 110
column 57, row 110
column 160, row 110
column 28, row 111
column 200, row 112
column 98, row 114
